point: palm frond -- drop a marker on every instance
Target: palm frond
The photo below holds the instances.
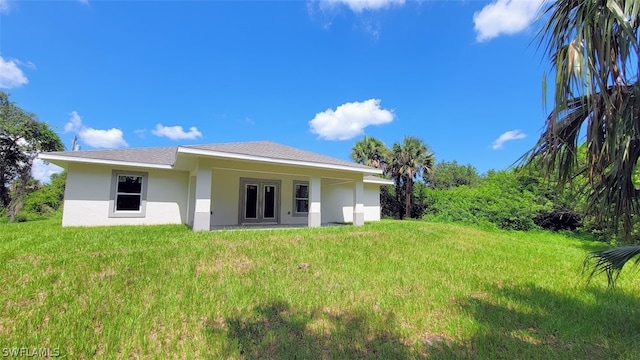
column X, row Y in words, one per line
column 611, row 261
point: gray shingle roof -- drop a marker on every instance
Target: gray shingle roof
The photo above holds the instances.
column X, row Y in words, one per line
column 157, row 156
column 167, row 155
column 268, row 149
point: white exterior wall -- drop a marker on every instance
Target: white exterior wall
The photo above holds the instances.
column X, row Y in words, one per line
column 171, row 195
column 88, row 192
column 372, row 209
column 337, row 202
column 225, row 196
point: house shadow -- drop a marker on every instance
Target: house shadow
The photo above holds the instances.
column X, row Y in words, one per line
column 531, row 322
column 275, row 330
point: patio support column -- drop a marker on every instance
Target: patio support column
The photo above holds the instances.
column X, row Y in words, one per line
column 358, row 203
column 202, row 215
column 314, row 218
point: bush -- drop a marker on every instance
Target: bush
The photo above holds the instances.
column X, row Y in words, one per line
column 500, row 200
column 45, row 201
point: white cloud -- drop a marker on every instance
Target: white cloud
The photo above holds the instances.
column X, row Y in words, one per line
column 176, row 132
column 505, row 17
column 107, row 139
column 84, row 2
column 359, row 6
column 507, row 136
column 11, row 76
column 42, row 171
column 4, row 6
column 349, row 120
column 74, row 124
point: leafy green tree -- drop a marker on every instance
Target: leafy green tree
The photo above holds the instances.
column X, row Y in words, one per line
column 22, row 137
column 594, row 51
column 411, row 159
column 371, row 152
column 448, row 175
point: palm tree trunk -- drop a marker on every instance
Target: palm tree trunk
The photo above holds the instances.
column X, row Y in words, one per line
column 398, row 204
column 407, row 198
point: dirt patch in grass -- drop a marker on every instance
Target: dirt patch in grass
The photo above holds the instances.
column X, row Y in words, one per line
column 32, row 259
column 429, row 343
column 105, row 273
column 240, row 264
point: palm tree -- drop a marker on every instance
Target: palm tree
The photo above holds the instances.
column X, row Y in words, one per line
column 411, row 159
column 593, row 48
column 371, row 152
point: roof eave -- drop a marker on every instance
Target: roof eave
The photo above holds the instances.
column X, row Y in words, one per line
column 263, row 159
column 381, row 181
column 62, row 161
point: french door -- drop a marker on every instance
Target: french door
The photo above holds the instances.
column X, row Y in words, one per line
column 259, row 201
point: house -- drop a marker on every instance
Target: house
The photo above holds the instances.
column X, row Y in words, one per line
column 212, row 186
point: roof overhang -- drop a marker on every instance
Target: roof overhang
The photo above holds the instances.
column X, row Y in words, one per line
column 377, row 180
column 63, row 161
column 262, row 159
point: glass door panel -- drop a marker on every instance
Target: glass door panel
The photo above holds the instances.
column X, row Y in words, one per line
column 269, row 202
column 251, row 201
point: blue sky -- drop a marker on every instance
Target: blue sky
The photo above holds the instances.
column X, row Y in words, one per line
column 465, row 76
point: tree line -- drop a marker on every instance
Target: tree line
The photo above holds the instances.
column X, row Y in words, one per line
column 22, row 138
column 516, row 199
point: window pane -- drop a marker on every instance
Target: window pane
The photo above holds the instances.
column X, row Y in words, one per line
column 130, row 184
column 302, row 206
column 269, row 202
column 302, row 191
column 251, row 202
column 128, row 202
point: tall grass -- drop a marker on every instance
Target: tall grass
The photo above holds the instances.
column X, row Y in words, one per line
column 386, row 290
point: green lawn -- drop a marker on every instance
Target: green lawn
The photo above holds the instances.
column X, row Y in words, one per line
column 386, row 290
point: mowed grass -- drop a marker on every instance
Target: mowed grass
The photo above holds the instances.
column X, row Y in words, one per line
column 386, row 290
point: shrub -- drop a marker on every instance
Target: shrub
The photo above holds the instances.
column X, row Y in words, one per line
column 45, row 201
column 500, row 200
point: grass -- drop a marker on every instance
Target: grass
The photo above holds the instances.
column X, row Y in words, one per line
column 387, row 290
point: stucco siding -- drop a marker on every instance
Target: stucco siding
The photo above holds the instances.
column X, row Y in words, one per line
column 371, row 202
column 170, row 195
column 88, row 191
column 337, row 202
column 225, row 196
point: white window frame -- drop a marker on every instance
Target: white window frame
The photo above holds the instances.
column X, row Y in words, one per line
column 115, row 174
column 295, row 211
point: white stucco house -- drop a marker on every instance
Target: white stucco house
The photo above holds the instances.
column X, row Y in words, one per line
column 215, row 186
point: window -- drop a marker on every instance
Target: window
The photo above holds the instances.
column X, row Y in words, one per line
column 128, row 194
column 300, row 198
